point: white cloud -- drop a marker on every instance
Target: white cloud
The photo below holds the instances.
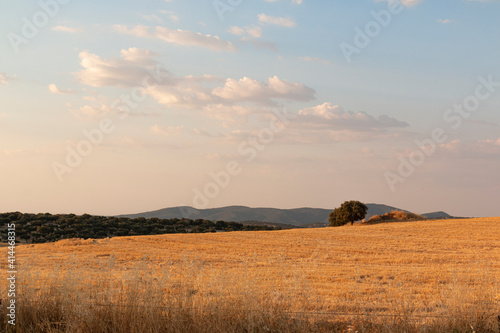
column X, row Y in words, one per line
column 444, row 21
column 196, row 93
column 55, row 90
column 263, row 92
column 66, row 29
column 178, row 37
column 323, row 124
column 127, row 71
column 235, row 30
column 328, row 123
column 275, row 20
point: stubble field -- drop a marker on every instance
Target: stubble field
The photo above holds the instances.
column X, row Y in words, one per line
column 427, row 276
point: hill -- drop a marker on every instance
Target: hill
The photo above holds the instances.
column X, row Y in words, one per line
column 296, row 217
column 437, row 215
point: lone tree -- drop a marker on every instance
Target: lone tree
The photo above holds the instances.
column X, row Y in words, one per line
column 349, row 211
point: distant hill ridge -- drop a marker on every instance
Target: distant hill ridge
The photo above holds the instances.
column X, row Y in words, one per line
column 296, row 216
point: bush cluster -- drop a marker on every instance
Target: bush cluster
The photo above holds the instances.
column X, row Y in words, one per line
column 395, row 215
column 42, row 228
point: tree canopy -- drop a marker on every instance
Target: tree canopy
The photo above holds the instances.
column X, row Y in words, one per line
column 349, row 211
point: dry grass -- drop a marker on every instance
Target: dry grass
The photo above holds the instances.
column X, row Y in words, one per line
column 395, row 215
column 426, row 276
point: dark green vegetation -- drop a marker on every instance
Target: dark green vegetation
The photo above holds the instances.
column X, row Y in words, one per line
column 42, row 228
column 349, row 211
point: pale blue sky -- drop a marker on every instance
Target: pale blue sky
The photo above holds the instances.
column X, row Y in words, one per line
column 354, row 120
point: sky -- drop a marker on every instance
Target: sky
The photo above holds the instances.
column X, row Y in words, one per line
column 115, row 107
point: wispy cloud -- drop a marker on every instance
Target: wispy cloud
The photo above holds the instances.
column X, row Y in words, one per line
column 171, row 15
column 444, row 21
column 4, row 78
column 178, row 37
column 126, row 71
column 253, row 31
column 275, row 20
column 55, row 90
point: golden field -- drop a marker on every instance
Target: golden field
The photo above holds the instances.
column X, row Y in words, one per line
column 426, row 276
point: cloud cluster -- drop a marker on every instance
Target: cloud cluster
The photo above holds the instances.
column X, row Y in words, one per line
column 323, row 124
column 328, row 123
column 191, row 91
column 328, row 116
column 230, row 100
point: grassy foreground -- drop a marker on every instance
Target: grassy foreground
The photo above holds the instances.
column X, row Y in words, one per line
column 426, row 276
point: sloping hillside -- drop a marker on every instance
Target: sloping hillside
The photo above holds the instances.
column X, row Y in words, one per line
column 297, row 216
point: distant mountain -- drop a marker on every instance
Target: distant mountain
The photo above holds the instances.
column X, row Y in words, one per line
column 296, row 217
column 437, row 215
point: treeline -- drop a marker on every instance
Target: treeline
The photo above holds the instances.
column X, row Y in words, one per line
column 42, row 228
